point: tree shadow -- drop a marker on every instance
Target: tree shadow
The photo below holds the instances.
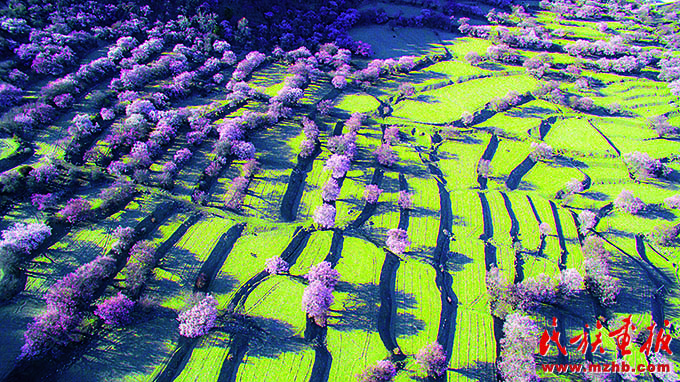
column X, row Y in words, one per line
column 595, row 195
column 456, row 261
column 276, row 337
column 656, row 212
column 530, row 112
column 479, row 371
column 567, row 162
column 360, row 310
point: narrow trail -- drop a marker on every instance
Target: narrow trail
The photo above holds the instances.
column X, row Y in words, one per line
column 611, row 144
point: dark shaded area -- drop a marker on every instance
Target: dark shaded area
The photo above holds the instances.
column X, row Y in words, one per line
column 369, row 208
column 217, row 257
column 296, row 185
column 618, row 152
column 486, row 218
column 515, row 177
column 387, row 313
column 488, row 154
column 290, row 254
column 545, row 126
column 560, row 236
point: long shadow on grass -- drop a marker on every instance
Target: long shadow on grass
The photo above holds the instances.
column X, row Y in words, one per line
column 362, row 306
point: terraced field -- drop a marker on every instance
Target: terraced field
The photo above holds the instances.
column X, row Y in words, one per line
column 484, row 199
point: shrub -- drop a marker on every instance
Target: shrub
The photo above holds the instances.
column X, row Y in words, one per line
column 339, row 164
column 372, row 193
column 433, row 359
column 330, row 191
column 574, row 186
column 25, row 237
column 316, row 300
column 43, row 201
column 75, row 210
column 323, row 273
column 397, row 240
column 383, row 371
column 115, row 310
column 544, row 229
column 276, row 265
column 672, row 201
column 199, row 319
column 385, row 155
column 587, row 220
column 642, row 166
column 9, row 95
column 596, row 263
column 520, row 339
column 123, row 237
column 473, row 58
column 628, row 202
column 405, row 202
column 570, row 283
column 324, row 216
column 541, row 151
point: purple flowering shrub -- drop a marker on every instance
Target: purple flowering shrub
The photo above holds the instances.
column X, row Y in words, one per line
column 642, row 166
column 276, row 265
column 571, row 282
column 587, row 220
column 628, row 202
column 382, row 371
column 65, row 300
column 432, row 358
column 386, row 155
column 123, row 237
column 44, row 201
column 672, row 201
column 318, row 295
column 372, row 193
column 343, row 145
column 339, row 164
column 141, row 262
column 199, row 319
column 397, row 240
column 484, row 168
column 115, row 310
column 236, row 193
column 519, row 342
column 330, row 190
column 541, row 151
column 405, row 201
column 574, row 186
column 25, row 237
column 324, row 216
column 544, row 229
column 75, row 210
column 9, row 95
column 598, row 280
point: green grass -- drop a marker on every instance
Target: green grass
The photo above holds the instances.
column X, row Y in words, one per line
column 446, row 104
